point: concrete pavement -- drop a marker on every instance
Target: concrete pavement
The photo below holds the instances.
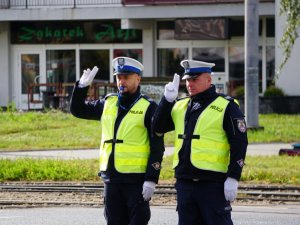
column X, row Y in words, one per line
column 253, row 149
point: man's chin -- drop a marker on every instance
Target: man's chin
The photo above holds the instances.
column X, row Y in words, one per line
column 124, row 93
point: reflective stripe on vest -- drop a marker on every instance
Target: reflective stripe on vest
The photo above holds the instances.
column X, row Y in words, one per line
column 131, row 143
column 209, row 145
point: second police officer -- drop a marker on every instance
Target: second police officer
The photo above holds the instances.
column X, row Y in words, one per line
column 210, row 145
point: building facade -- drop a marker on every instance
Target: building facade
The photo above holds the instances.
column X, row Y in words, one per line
column 50, row 42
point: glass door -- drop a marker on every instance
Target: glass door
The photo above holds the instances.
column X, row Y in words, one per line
column 31, row 92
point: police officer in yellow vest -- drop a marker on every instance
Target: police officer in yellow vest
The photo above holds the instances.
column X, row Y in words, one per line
column 130, row 154
column 210, row 145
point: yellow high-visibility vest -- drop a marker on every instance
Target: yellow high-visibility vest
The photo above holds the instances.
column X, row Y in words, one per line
column 210, row 149
column 132, row 147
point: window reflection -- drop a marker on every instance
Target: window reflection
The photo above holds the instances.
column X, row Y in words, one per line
column 165, row 30
column 99, row 58
column 270, row 58
column 236, row 68
column 132, row 53
column 212, row 55
column 169, row 61
column 60, row 66
column 30, row 70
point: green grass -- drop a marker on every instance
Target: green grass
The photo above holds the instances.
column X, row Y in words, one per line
column 48, row 170
column 258, row 169
column 272, row 169
column 59, row 130
column 277, row 128
column 46, row 130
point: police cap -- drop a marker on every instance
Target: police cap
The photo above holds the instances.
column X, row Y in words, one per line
column 194, row 68
column 126, row 65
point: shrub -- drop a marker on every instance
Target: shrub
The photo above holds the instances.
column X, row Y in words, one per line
column 273, row 91
column 239, row 92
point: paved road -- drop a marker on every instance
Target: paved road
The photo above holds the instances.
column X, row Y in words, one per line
column 253, row 149
column 242, row 215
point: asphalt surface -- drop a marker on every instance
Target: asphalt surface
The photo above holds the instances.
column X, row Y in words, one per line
column 253, row 149
column 161, row 215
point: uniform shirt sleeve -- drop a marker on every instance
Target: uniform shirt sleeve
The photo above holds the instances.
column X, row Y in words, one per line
column 162, row 121
column 80, row 108
column 235, row 128
column 156, row 147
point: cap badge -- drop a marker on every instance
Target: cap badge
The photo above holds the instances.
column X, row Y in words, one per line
column 186, row 66
column 121, row 62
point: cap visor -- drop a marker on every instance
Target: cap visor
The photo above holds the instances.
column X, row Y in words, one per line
column 124, row 73
column 185, row 77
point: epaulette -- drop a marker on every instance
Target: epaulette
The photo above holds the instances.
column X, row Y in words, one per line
column 110, row 94
column 229, row 98
column 147, row 98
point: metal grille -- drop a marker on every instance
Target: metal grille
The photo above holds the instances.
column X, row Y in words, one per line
column 60, row 3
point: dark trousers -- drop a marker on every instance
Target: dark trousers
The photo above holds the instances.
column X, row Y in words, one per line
column 202, row 203
column 124, row 205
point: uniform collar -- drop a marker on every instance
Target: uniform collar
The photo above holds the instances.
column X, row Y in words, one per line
column 206, row 95
column 126, row 101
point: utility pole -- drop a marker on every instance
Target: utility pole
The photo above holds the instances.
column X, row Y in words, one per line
column 251, row 63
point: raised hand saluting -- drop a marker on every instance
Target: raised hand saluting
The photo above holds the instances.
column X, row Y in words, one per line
column 171, row 89
column 88, row 77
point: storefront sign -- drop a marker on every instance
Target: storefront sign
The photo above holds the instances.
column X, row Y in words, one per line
column 72, row 32
column 201, row 29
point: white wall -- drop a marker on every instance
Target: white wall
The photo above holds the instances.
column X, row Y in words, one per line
column 5, row 81
column 289, row 77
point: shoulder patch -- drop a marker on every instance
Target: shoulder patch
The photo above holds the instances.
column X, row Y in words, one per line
column 241, row 125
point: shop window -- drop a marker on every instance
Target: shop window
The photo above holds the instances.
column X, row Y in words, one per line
column 165, row 30
column 99, row 58
column 270, row 27
column 60, row 66
column 270, row 58
column 132, row 53
column 212, row 55
column 237, row 27
column 237, row 69
column 169, row 61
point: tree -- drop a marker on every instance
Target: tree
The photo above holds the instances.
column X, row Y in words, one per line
column 291, row 10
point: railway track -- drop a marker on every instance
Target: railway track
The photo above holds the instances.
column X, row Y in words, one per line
column 90, row 194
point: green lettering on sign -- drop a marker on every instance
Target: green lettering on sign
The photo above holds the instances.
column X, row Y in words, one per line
column 28, row 34
column 73, row 32
column 111, row 33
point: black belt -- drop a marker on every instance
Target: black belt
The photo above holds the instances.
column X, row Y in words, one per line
column 113, row 141
column 185, row 136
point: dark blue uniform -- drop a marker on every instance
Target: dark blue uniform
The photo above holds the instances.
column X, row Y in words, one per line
column 124, row 203
column 200, row 193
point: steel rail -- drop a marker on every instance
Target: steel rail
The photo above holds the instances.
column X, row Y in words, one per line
column 245, row 193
